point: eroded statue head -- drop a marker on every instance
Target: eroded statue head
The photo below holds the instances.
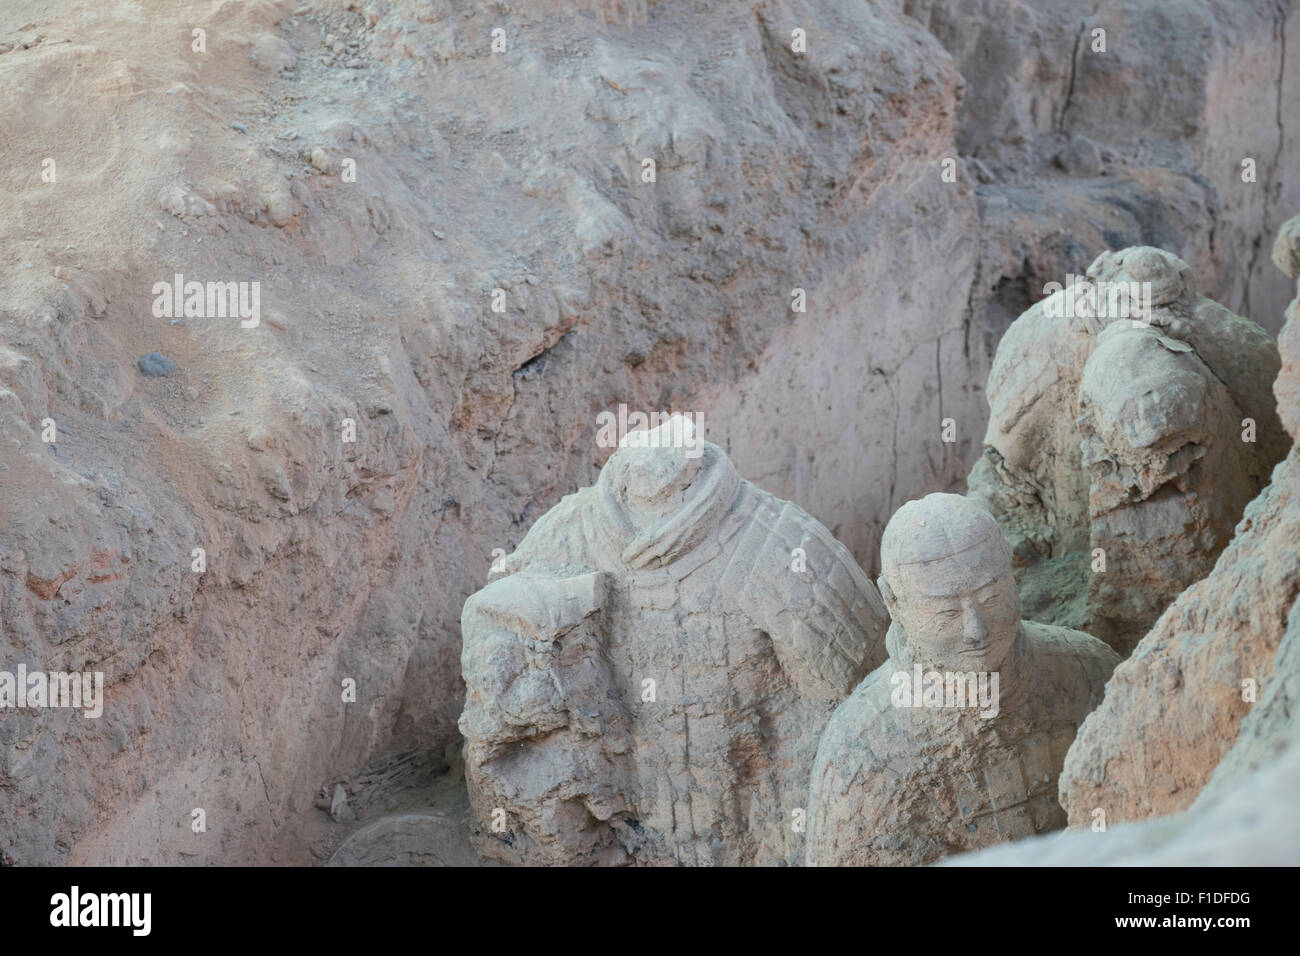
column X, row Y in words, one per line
column 947, row 581
column 653, row 468
column 1145, row 412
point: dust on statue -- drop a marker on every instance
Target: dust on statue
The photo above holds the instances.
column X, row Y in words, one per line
column 903, row 782
column 649, row 680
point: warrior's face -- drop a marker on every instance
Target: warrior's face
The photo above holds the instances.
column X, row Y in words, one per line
column 959, row 606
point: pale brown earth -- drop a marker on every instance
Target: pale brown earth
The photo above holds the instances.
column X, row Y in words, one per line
column 520, row 171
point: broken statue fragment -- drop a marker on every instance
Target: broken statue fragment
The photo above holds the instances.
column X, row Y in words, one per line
column 648, row 680
column 1130, row 423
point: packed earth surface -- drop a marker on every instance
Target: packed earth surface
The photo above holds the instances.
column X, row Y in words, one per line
column 461, row 232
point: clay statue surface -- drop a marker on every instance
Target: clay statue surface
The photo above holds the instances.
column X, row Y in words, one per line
column 1126, row 435
column 957, row 741
column 1209, row 686
column 648, row 681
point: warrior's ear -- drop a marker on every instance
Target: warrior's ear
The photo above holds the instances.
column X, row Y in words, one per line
column 887, row 594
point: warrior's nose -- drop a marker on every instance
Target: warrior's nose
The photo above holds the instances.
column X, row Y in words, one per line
column 976, row 634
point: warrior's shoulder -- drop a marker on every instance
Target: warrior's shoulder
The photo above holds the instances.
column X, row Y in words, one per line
column 563, row 536
column 863, row 726
column 1062, row 650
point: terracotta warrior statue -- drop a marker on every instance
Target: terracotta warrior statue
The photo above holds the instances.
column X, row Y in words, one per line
column 649, row 673
column 956, row 742
column 1112, row 416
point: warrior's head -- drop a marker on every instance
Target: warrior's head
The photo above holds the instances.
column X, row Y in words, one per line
column 1158, row 279
column 946, row 579
column 1145, row 398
